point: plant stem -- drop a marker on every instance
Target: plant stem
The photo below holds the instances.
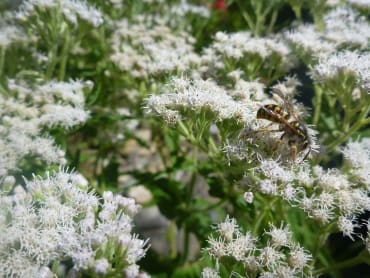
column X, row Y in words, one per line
column 64, row 55
column 360, row 258
column 52, row 58
column 362, row 120
column 172, row 239
column 318, row 103
column 2, row 60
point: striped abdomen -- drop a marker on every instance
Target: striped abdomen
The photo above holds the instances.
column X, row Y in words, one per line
column 273, row 112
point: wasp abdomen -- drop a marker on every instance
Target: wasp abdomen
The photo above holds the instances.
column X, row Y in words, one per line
column 272, row 112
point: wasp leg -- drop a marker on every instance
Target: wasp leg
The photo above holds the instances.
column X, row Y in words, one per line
column 306, row 155
column 248, row 133
column 294, row 151
column 278, row 142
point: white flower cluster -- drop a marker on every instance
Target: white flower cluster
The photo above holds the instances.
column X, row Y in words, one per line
column 360, row 4
column 343, row 27
column 274, row 255
column 357, row 155
column 187, row 97
column 350, row 63
column 147, row 47
column 28, row 110
column 58, row 218
column 243, row 50
column 72, row 10
column 184, row 8
column 10, row 34
column 328, row 196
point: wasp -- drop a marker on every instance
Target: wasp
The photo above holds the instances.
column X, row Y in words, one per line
column 294, row 131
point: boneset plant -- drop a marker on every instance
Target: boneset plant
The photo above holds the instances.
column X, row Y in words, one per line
column 241, row 124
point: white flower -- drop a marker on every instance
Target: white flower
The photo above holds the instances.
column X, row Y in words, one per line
column 101, row 266
column 241, row 46
column 270, row 257
column 228, row 228
column 346, row 226
column 357, row 154
column 146, row 48
column 132, row 271
column 10, row 34
column 241, row 246
column 209, row 273
column 273, row 170
column 200, row 95
column 279, row 236
column 72, row 10
column 248, row 197
column 54, row 219
column 27, row 111
column 330, row 67
column 333, row 180
column 268, row 187
column 298, row 257
column 362, row 4
column 345, row 26
column 184, row 8
column 217, row 247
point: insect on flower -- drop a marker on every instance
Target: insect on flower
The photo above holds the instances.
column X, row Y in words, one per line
column 294, row 131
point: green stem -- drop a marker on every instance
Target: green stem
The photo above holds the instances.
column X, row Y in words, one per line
column 64, row 55
column 246, row 16
column 360, row 258
column 260, row 19
column 322, row 236
column 273, row 21
column 2, row 60
column 210, row 207
column 186, row 245
column 362, row 120
column 260, row 218
column 52, row 58
column 318, row 103
column 172, row 239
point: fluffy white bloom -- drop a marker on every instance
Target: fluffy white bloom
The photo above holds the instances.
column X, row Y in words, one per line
column 10, row 34
column 308, row 41
column 331, row 67
column 250, row 51
column 54, row 219
column 361, row 4
column 268, row 187
column 27, row 110
column 298, row 257
column 217, row 247
column 346, row 226
column 259, row 257
column 248, row 197
column 279, row 236
column 145, row 48
column 333, row 180
column 343, row 27
column 241, row 246
column 210, row 273
column 274, row 170
column 184, row 8
column 228, row 228
column 195, row 96
column 72, row 10
column 270, row 257
column 357, row 154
